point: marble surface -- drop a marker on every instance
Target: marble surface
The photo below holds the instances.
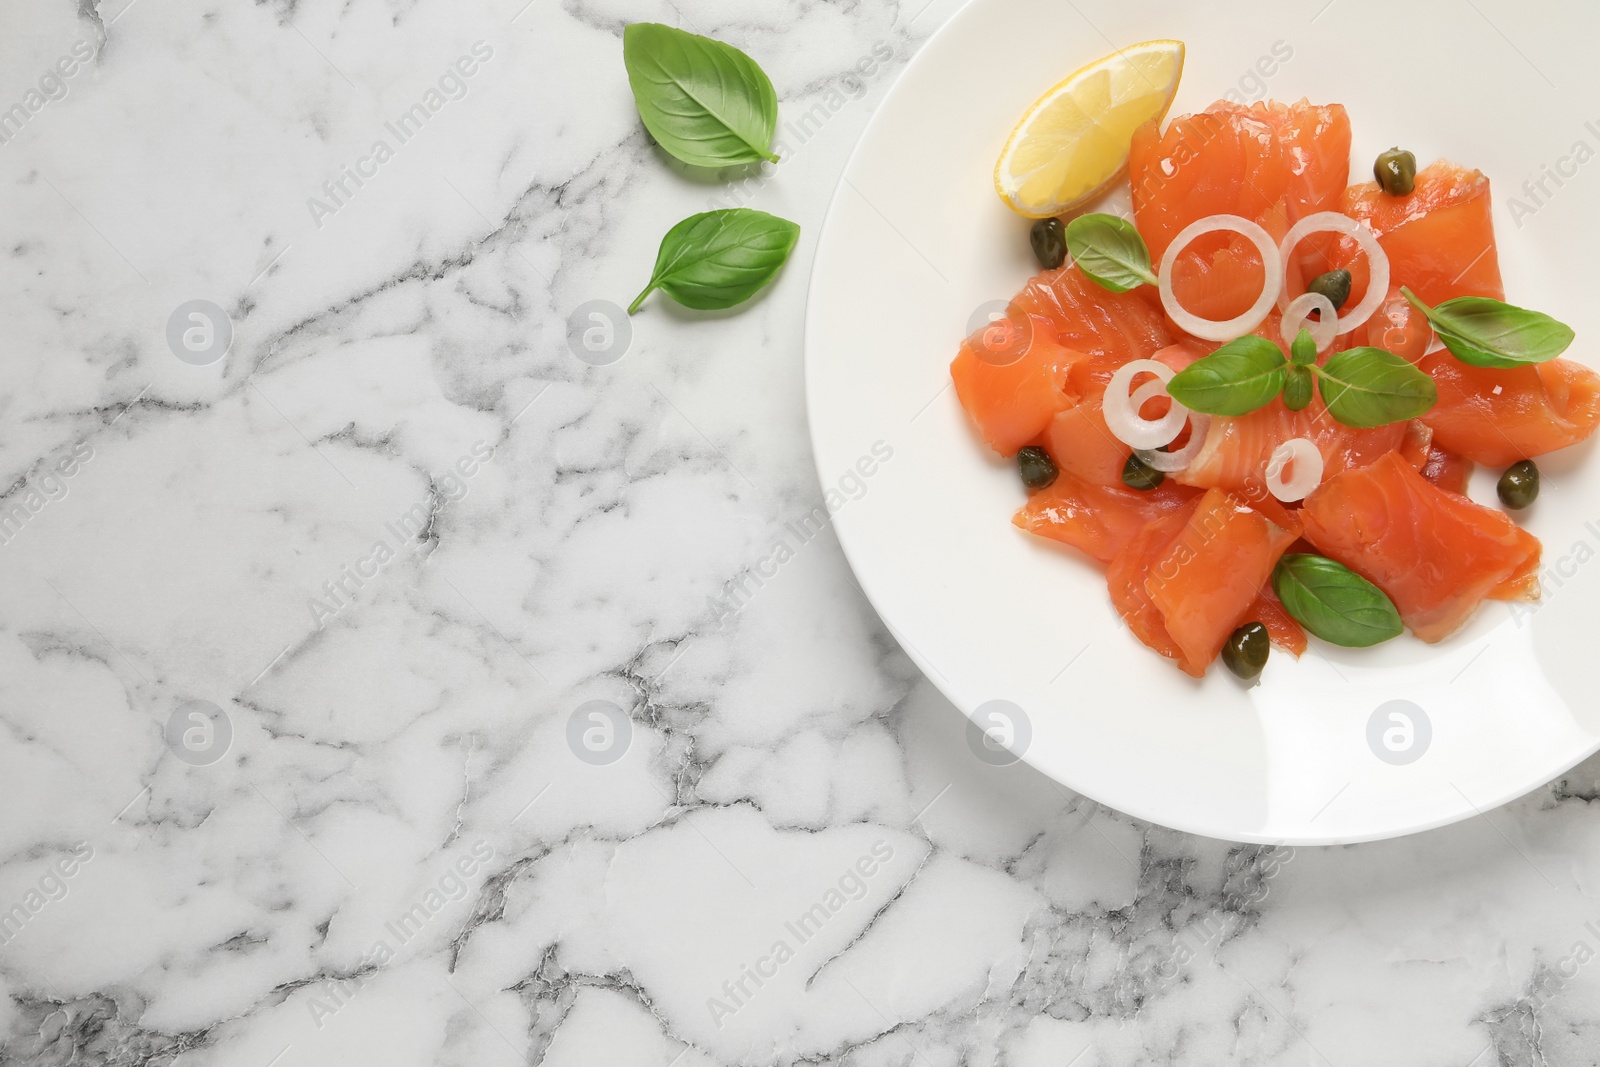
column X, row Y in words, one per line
column 373, row 691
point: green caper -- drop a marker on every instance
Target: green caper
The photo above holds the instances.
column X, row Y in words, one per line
column 1396, row 171
column 1049, row 240
column 1335, row 285
column 1247, row 649
column 1137, row 474
column 1519, row 485
column 1038, row 470
column 1297, row 387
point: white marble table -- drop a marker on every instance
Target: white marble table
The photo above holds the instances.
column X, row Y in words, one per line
column 303, row 632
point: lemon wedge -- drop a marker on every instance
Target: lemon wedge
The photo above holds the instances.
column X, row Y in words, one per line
column 1073, row 141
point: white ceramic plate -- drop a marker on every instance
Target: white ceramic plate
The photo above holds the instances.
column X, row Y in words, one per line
column 916, row 241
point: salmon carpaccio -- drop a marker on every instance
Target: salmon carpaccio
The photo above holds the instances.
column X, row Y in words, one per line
column 1191, row 560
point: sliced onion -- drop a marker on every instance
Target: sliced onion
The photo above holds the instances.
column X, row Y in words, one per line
column 1298, row 315
column 1377, row 263
column 1307, row 462
column 1271, row 261
column 1122, row 411
column 1172, row 462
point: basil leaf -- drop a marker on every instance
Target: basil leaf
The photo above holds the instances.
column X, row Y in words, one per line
column 1334, row 602
column 1365, row 387
column 1237, row 378
column 1304, row 349
column 1110, row 251
column 1297, row 387
column 720, row 258
column 705, row 102
column 1492, row 333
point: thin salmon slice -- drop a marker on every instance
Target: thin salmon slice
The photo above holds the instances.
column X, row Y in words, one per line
column 1237, row 450
column 1498, row 416
column 1268, row 162
column 1064, row 305
column 1281, row 627
column 1439, row 238
column 1397, row 326
column 1078, row 438
column 1098, row 520
column 1436, row 554
column 1011, row 403
column 1189, row 579
column 1447, row 470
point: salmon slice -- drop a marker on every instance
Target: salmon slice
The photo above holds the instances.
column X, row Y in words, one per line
column 1396, row 326
column 1269, row 611
column 1236, row 450
column 1097, row 520
column 1081, row 443
column 1436, row 554
column 1439, row 238
column 1271, row 163
column 1078, row 438
column 1011, row 403
column 1064, row 305
column 1498, row 416
column 1189, row 579
column 1447, row 470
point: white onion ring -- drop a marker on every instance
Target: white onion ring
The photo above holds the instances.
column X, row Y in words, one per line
column 1307, row 469
column 1172, row 462
column 1298, row 314
column 1122, row 411
column 1361, row 233
column 1271, row 261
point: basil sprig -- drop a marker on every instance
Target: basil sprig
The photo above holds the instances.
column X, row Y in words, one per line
column 1491, row 333
column 1334, row 602
column 705, row 102
column 1362, row 387
column 1109, row 250
column 720, row 258
column 1298, row 378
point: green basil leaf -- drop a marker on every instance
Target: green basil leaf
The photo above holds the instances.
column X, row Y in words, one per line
column 1492, row 333
column 1110, row 251
column 1304, row 349
column 1236, row 379
column 705, row 102
column 1297, row 387
column 720, row 258
column 1365, row 387
column 1334, row 602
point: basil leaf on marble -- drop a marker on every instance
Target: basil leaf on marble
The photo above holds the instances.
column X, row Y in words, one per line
column 705, row 102
column 717, row 259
